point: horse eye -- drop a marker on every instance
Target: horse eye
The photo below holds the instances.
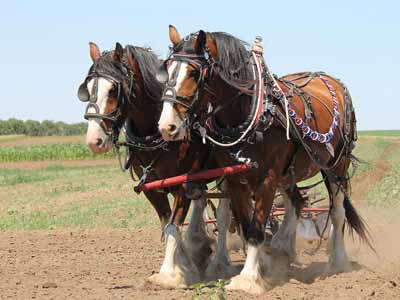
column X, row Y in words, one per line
column 194, row 73
column 113, row 91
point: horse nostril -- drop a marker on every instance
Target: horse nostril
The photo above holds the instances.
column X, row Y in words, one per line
column 99, row 142
column 172, row 128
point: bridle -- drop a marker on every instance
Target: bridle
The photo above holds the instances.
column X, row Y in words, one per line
column 203, row 63
column 122, row 98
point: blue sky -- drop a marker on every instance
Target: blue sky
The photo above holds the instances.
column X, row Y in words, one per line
column 44, row 46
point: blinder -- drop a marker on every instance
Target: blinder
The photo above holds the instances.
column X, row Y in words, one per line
column 92, row 109
column 199, row 62
column 83, row 93
column 162, row 73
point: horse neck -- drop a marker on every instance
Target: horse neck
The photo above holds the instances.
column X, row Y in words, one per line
column 143, row 113
column 234, row 112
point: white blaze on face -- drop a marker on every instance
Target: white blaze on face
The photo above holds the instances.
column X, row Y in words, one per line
column 169, row 116
column 95, row 133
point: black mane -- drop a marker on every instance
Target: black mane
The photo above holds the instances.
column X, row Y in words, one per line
column 148, row 65
column 106, row 65
column 232, row 57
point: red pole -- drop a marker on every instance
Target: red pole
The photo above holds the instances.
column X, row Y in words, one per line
column 206, row 174
column 305, row 209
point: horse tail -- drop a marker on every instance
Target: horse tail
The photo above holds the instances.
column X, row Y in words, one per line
column 357, row 223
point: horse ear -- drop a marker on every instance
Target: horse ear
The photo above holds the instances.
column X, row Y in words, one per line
column 118, row 52
column 174, row 35
column 132, row 62
column 212, row 47
column 200, row 41
column 94, row 51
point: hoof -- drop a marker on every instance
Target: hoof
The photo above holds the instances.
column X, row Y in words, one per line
column 199, row 250
column 219, row 270
column 173, row 280
column 248, row 284
column 336, row 268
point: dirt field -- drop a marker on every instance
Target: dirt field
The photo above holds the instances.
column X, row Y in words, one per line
column 113, row 264
column 72, row 231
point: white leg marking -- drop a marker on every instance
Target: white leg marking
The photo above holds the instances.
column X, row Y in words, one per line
column 177, row 269
column 252, row 265
column 172, row 239
column 251, row 279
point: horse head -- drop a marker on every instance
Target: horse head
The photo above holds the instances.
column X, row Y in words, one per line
column 184, row 74
column 116, row 82
column 202, row 69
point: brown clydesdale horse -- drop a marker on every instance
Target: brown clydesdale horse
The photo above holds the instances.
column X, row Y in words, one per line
column 209, row 81
column 121, row 88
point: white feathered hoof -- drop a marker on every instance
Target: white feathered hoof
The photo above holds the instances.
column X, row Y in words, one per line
column 248, row 284
column 219, row 269
column 173, row 280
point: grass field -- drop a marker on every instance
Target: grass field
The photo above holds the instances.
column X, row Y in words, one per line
column 60, row 195
column 23, row 148
column 62, row 151
column 383, row 133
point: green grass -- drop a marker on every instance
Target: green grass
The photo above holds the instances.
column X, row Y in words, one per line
column 386, row 193
column 63, row 197
column 101, row 196
column 214, row 290
column 368, row 151
column 120, row 212
column 66, row 151
column 11, row 177
column 384, row 133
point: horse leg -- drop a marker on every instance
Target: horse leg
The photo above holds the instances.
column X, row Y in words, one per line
column 177, row 269
column 285, row 239
column 220, row 265
column 338, row 259
column 197, row 241
column 161, row 204
column 251, row 277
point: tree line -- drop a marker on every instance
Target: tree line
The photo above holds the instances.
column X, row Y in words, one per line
column 44, row 128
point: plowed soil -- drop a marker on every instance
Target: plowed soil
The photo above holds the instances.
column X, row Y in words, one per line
column 113, row 264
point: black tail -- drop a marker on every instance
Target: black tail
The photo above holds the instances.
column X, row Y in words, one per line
column 357, row 223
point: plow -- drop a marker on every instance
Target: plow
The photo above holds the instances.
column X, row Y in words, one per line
column 314, row 222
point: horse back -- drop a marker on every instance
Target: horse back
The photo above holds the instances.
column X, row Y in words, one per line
column 313, row 101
